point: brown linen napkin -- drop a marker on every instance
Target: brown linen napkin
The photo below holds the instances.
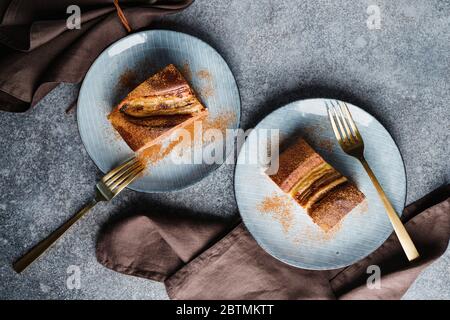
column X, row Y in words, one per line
column 187, row 257
column 38, row 51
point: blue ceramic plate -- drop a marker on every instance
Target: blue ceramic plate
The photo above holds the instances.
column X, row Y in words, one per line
column 300, row 242
column 133, row 59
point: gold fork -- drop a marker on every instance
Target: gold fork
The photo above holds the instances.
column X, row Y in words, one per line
column 106, row 189
column 352, row 143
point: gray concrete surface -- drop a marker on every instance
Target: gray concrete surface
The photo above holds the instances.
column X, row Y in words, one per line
column 279, row 51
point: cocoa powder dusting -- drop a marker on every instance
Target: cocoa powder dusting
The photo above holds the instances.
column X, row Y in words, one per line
column 157, row 152
column 186, row 71
column 312, row 130
column 308, row 233
column 204, row 75
column 362, row 208
column 207, row 92
column 280, row 207
column 221, row 121
column 150, row 155
column 326, row 144
column 207, row 89
column 128, row 80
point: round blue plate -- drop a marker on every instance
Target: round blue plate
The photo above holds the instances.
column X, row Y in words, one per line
column 295, row 239
column 141, row 55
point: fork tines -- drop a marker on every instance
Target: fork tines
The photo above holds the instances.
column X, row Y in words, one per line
column 342, row 122
column 123, row 175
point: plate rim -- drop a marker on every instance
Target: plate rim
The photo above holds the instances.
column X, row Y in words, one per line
column 390, row 225
column 182, row 34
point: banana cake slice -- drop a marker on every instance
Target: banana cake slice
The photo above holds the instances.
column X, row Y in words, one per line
column 157, row 107
column 325, row 194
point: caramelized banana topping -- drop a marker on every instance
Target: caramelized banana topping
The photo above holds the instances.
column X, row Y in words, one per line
column 161, row 106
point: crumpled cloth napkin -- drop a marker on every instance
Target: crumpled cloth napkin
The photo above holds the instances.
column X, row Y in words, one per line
column 38, row 51
column 203, row 259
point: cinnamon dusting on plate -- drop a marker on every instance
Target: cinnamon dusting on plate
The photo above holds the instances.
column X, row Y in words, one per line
column 186, row 71
column 207, row 89
column 312, row 130
column 308, row 233
column 280, row 208
column 221, row 121
column 362, row 208
column 326, row 145
column 206, row 92
column 157, row 152
column 204, row 75
column 128, row 80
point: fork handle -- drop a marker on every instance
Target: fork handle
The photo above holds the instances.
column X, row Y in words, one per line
column 400, row 230
column 42, row 246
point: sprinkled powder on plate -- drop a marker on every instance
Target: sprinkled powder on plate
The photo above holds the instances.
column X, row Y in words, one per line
column 186, row 71
column 362, row 208
column 207, row 89
column 127, row 80
column 157, row 152
column 326, row 144
column 204, row 74
column 221, row 121
column 280, row 207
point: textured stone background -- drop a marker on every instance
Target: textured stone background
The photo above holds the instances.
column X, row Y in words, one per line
column 279, row 51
